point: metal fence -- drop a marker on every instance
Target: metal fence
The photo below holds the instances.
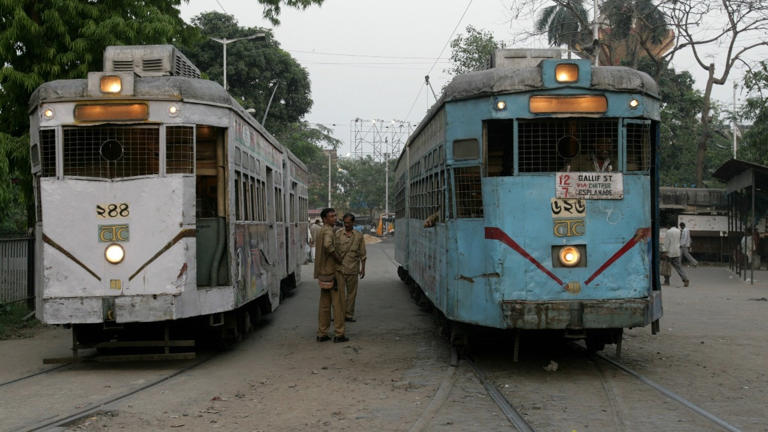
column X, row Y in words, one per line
column 15, row 273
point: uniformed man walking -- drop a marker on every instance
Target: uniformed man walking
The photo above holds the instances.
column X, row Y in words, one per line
column 351, row 246
column 327, row 259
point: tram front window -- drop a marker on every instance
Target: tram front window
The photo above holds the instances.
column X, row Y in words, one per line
column 551, row 145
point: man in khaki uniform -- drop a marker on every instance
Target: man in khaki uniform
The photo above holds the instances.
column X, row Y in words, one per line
column 351, row 246
column 327, row 259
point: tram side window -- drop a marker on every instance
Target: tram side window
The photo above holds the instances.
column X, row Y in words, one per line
column 252, row 194
column 576, row 144
column 246, row 200
column 500, row 156
column 179, row 150
column 638, row 146
column 238, row 211
column 48, row 152
column 469, row 197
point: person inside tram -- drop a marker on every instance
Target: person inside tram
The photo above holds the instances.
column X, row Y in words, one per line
column 600, row 156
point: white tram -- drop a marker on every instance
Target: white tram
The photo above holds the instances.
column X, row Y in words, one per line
column 159, row 198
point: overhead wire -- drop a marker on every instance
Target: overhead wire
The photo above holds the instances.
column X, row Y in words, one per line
column 447, row 42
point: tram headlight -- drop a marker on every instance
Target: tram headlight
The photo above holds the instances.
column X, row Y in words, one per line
column 569, row 256
column 634, row 103
column 501, row 105
column 114, row 253
column 567, row 73
column 48, row 113
column 111, row 84
column 173, row 110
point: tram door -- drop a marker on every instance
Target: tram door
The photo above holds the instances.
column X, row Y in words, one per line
column 210, row 206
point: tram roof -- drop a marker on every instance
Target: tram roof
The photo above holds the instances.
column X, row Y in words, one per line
column 497, row 81
column 162, row 87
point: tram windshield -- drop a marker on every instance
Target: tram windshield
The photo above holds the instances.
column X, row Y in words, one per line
column 573, row 144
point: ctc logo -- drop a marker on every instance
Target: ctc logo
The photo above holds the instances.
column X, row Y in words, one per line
column 113, row 233
column 569, row 228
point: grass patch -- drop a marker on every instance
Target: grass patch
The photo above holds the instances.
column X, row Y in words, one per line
column 12, row 322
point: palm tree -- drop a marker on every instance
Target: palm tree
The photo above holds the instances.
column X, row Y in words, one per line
column 635, row 29
column 566, row 23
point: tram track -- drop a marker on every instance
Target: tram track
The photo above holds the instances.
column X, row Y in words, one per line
column 67, row 419
column 520, row 422
column 35, row 374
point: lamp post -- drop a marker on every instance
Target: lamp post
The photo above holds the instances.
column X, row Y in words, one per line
column 224, row 42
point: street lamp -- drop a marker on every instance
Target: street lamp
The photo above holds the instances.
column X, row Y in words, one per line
column 224, row 42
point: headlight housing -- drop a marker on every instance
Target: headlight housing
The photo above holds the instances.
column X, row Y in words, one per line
column 569, row 256
column 114, row 253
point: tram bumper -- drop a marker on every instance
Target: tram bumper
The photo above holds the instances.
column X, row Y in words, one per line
column 582, row 314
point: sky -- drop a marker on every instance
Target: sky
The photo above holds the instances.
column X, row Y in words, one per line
column 367, row 58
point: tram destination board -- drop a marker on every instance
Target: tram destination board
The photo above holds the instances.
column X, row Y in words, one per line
column 589, row 185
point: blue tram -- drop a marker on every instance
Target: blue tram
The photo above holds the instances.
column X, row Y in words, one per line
column 527, row 199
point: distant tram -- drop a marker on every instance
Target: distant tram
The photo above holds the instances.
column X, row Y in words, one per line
column 527, row 199
column 161, row 203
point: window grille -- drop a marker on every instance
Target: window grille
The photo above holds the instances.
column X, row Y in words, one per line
column 638, row 146
column 48, row 152
column 179, row 150
column 469, row 197
column 111, row 151
column 547, row 145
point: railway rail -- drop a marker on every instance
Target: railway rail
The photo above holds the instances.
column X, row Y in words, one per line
column 32, row 375
column 69, row 418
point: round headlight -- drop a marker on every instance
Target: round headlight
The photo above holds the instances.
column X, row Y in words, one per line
column 501, row 105
column 48, row 113
column 173, row 110
column 114, row 253
column 634, row 103
column 569, row 256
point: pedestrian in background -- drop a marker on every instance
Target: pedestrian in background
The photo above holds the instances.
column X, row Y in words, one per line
column 327, row 259
column 351, row 246
column 314, row 230
column 685, row 245
column 672, row 253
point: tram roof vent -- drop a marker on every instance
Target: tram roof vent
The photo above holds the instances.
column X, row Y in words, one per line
column 517, row 58
column 149, row 60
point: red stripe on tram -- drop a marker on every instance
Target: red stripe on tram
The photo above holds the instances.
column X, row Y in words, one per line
column 493, row 233
column 641, row 234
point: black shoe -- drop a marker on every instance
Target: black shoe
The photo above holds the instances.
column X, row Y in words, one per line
column 350, row 319
column 337, row 339
column 323, row 338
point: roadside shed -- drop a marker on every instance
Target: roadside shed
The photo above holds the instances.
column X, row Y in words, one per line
column 746, row 188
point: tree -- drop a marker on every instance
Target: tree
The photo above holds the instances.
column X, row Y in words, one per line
column 680, row 125
column 744, row 31
column 272, row 7
column 754, row 143
column 306, row 141
column 566, row 23
column 364, row 186
column 14, row 179
column 255, row 69
column 635, row 29
column 473, row 51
